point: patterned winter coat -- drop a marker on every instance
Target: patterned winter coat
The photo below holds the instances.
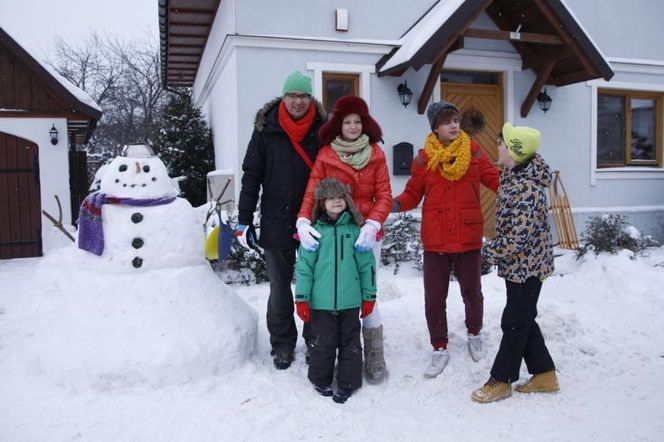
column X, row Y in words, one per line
column 370, row 186
column 522, row 247
column 452, row 219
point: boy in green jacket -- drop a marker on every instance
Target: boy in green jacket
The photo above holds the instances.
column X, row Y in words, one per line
column 335, row 284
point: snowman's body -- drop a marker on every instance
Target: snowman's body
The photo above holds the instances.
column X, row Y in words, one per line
column 150, row 236
column 149, row 310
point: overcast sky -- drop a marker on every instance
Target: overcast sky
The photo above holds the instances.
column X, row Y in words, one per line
column 35, row 23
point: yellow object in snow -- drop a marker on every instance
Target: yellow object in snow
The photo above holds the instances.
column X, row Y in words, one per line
column 212, row 245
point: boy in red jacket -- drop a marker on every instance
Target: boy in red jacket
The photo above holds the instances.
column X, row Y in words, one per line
column 448, row 172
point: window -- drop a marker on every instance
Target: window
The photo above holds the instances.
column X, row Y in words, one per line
column 336, row 86
column 629, row 128
column 470, row 77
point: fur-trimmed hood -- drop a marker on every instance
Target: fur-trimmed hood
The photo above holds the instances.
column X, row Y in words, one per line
column 329, row 188
column 261, row 116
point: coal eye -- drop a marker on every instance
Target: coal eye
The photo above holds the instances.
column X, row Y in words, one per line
column 122, row 168
column 146, row 168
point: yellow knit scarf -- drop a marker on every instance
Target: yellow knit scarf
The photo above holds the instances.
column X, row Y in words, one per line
column 452, row 161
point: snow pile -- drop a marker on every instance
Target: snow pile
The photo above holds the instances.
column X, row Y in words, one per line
column 150, row 328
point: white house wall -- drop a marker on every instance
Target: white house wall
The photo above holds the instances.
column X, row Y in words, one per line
column 53, row 169
column 631, row 29
column 380, row 20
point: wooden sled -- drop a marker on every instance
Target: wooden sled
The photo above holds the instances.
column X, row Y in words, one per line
column 562, row 214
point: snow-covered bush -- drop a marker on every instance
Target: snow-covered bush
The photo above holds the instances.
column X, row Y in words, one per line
column 402, row 242
column 612, row 233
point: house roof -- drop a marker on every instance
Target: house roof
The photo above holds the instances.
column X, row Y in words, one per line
column 80, row 110
column 550, row 40
column 184, row 26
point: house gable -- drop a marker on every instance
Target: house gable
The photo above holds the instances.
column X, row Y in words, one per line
column 544, row 32
column 29, row 89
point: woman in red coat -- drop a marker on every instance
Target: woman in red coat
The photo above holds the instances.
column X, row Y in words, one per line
column 350, row 153
column 447, row 172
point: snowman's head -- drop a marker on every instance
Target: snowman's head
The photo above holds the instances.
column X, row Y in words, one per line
column 137, row 177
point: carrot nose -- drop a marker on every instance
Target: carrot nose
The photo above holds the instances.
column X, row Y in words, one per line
column 138, row 167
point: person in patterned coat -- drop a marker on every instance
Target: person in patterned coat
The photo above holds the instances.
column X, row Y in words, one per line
column 523, row 254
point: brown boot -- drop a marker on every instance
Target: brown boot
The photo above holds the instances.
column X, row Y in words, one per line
column 546, row 382
column 493, row 390
column 374, row 362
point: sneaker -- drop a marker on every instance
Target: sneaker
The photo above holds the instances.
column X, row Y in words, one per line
column 282, row 359
column 493, row 390
column 341, row 395
column 439, row 360
column 546, row 382
column 323, row 390
column 475, row 347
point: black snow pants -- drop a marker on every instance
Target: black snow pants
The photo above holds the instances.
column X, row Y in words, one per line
column 332, row 331
column 280, row 309
column 522, row 337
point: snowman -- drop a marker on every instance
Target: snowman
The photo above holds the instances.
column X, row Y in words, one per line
column 137, row 304
column 136, row 220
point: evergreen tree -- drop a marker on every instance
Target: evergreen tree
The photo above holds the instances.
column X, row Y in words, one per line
column 402, row 242
column 184, row 143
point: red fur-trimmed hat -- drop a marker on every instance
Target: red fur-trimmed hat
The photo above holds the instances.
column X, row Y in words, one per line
column 345, row 106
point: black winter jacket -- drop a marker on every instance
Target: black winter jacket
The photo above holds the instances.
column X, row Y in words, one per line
column 271, row 162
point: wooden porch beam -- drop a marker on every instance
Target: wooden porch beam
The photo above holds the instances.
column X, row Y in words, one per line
column 570, row 78
column 557, row 53
column 548, row 13
column 525, row 37
column 432, row 80
column 542, row 77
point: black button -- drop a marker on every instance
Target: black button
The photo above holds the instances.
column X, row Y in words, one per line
column 137, row 262
column 137, row 243
column 136, row 217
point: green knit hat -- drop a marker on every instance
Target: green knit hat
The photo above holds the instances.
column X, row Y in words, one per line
column 297, row 81
column 521, row 142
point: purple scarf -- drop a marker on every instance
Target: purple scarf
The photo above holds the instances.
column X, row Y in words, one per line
column 90, row 231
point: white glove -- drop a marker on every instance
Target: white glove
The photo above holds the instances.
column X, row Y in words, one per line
column 307, row 235
column 367, row 238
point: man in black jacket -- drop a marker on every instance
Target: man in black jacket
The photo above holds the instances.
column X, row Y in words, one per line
column 279, row 157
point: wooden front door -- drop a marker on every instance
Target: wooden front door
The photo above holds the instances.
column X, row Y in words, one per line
column 488, row 99
column 20, row 200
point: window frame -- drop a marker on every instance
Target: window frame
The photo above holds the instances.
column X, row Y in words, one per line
column 327, row 76
column 628, row 95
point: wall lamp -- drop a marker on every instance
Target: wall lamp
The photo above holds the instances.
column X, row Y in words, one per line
column 544, row 100
column 54, row 135
column 405, row 94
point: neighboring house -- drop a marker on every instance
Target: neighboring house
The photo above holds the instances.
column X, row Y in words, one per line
column 42, row 119
column 601, row 63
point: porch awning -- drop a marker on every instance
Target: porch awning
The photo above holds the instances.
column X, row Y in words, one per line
column 184, row 26
column 549, row 39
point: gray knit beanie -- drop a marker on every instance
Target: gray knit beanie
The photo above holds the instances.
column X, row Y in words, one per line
column 436, row 108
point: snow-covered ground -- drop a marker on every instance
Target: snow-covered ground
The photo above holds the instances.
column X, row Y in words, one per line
column 601, row 317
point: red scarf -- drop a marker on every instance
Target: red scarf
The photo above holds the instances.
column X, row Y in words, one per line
column 297, row 129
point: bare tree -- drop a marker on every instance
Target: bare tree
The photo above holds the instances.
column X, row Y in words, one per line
column 123, row 78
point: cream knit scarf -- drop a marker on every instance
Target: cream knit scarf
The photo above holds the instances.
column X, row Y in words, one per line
column 354, row 153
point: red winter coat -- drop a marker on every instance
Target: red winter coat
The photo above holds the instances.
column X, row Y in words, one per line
column 452, row 212
column 370, row 186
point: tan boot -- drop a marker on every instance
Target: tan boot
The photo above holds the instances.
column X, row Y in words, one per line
column 546, row 382
column 374, row 362
column 493, row 390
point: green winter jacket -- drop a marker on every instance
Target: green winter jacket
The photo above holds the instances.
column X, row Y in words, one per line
column 335, row 277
